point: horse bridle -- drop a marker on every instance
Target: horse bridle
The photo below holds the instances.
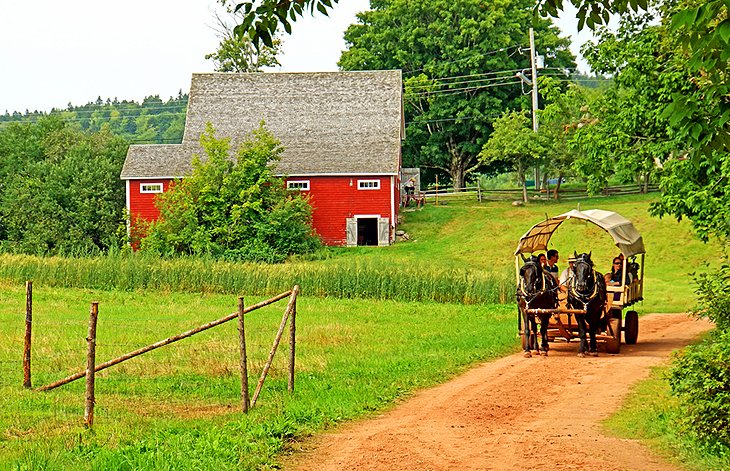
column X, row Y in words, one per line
column 521, row 289
column 573, row 290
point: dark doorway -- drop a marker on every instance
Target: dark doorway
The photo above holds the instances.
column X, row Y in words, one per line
column 367, row 231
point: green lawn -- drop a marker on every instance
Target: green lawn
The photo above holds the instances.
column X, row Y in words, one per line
column 179, row 408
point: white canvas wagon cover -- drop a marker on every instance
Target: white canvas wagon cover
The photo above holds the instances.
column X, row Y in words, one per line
column 626, row 237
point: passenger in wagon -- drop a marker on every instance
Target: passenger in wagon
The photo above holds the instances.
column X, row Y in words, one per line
column 567, row 274
column 543, row 260
column 614, row 277
column 552, row 260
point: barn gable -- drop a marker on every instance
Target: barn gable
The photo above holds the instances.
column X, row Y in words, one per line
column 328, row 122
column 334, row 126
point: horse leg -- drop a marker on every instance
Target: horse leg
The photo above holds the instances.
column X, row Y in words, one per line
column 544, row 320
column 582, row 345
column 592, row 329
column 533, row 333
column 527, row 334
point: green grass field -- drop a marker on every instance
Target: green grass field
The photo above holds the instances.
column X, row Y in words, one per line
column 358, row 352
column 179, row 407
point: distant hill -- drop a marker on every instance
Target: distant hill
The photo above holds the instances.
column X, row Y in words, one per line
column 153, row 121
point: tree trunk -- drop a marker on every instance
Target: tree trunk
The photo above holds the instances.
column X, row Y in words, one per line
column 557, row 186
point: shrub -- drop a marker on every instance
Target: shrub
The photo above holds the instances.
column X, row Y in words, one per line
column 233, row 208
column 700, row 376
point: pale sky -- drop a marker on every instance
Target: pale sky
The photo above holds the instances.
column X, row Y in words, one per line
column 53, row 52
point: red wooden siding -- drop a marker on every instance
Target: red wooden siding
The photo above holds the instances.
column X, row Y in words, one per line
column 336, row 198
column 142, row 205
column 333, row 199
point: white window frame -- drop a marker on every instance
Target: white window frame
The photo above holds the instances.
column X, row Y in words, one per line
column 142, row 187
column 365, row 184
column 301, row 185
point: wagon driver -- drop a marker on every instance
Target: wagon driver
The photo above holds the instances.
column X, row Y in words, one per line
column 552, row 260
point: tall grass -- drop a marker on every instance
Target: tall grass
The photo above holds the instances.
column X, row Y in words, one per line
column 341, row 278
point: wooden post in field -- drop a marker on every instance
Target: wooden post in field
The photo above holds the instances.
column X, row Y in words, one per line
column 244, row 362
column 28, row 331
column 288, row 310
column 90, row 364
column 292, row 343
column 162, row 343
column 479, row 190
column 437, row 190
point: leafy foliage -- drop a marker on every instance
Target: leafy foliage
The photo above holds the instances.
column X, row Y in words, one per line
column 59, row 188
column 262, row 22
column 458, row 59
column 700, row 377
column 513, row 142
column 233, row 208
column 238, row 54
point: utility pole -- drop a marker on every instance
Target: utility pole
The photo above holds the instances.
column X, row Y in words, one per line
column 535, row 124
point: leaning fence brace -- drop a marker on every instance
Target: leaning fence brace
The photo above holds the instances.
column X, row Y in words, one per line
column 282, row 326
column 162, row 343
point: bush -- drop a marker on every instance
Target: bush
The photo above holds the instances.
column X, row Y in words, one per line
column 233, row 208
column 700, row 377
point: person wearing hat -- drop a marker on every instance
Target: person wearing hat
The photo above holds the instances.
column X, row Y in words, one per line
column 567, row 274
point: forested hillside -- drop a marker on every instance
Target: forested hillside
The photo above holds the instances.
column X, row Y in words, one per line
column 152, row 121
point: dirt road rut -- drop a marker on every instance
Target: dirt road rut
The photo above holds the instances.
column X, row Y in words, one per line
column 512, row 414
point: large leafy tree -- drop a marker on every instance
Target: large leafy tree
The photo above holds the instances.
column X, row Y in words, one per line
column 514, row 143
column 59, row 188
column 235, row 208
column 459, row 59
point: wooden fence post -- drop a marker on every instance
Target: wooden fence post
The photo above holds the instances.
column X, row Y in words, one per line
column 90, row 364
column 244, row 361
column 28, row 331
column 280, row 332
column 292, row 344
column 162, row 343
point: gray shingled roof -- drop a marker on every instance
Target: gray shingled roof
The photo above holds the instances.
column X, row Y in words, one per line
column 328, row 122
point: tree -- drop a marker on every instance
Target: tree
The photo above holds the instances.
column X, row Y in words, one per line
column 513, row 142
column 237, row 53
column 233, row 208
column 561, row 115
column 459, row 59
column 64, row 194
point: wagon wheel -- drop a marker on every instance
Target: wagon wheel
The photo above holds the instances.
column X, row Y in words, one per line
column 631, row 328
column 613, row 344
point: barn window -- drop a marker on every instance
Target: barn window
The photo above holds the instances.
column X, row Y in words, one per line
column 301, row 185
column 368, row 184
column 150, row 187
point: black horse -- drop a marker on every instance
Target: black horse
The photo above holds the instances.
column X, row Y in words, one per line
column 538, row 289
column 587, row 290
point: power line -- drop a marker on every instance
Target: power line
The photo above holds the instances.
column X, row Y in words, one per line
column 461, row 90
column 482, row 54
column 509, row 74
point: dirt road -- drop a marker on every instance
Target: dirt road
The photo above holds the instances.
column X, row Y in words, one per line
column 512, row 414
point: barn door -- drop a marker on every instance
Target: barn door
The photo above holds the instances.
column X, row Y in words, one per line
column 351, row 231
column 383, row 231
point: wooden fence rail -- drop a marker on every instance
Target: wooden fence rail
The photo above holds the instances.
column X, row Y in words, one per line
column 162, row 343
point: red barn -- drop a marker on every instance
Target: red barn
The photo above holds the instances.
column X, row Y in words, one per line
column 341, row 132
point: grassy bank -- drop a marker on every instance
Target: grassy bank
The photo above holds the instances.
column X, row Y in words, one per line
column 460, row 253
column 178, row 407
column 651, row 414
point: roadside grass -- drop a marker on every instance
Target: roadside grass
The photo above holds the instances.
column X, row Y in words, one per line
column 179, row 407
column 651, row 414
column 483, row 237
column 459, row 252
